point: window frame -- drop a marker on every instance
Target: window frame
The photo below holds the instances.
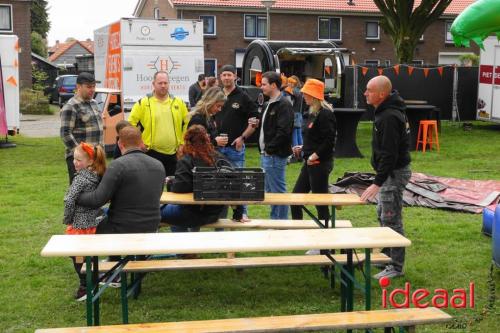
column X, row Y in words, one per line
column 215, row 66
column 372, row 62
column 378, row 31
column 215, row 25
column 11, row 18
column 256, row 16
column 418, row 62
column 446, row 31
column 329, row 19
column 156, row 13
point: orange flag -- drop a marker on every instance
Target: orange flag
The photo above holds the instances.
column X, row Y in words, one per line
column 16, row 64
column 426, row 72
column 380, row 71
column 16, row 46
column 12, row 81
column 258, row 79
column 396, row 69
column 440, row 71
column 410, row 70
column 364, row 70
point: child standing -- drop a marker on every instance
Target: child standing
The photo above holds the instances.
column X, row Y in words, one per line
column 90, row 164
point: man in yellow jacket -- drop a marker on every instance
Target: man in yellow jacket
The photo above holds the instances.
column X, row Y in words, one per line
column 163, row 120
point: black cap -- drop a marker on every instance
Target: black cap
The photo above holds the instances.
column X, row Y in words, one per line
column 85, row 77
column 228, row 68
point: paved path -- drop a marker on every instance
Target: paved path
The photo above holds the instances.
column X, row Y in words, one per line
column 40, row 126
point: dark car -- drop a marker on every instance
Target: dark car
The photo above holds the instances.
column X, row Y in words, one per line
column 63, row 89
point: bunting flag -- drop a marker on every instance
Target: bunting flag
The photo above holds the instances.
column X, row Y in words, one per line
column 410, row 70
column 426, row 71
column 12, row 81
column 16, row 64
column 380, row 71
column 440, row 71
column 364, row 70
column 396, row 69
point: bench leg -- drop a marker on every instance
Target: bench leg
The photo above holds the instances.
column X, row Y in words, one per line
column 90, row 288
column 95, row 278
column 123, row 295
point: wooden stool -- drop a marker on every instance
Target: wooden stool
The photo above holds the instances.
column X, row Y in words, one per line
column 427, row 138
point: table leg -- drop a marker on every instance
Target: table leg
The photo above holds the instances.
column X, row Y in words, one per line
column 123, row 291
column 368, row 280
column 95, row 279
column 90, row 289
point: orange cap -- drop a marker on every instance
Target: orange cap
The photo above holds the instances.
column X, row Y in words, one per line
column 314, row 88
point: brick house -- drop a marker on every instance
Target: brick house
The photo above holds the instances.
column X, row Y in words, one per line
column 230, row 25
column 15, row 19
column 65, row 55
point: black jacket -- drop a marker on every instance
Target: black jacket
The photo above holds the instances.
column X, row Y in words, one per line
column 390, row 138
column 134, row 184
column 320, row 132
column 194, row 93
column 208, row 123
column 192, row 215
column 277, row 127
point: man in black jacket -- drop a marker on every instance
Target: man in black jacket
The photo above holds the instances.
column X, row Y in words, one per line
column 196, row 90
column 275, row 139
column 391, row 161
column 134, row 184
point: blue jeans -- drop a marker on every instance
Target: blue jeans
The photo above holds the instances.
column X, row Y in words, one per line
column 274, row 167
column 174, row 212
column 237, row 159
column 296, row 137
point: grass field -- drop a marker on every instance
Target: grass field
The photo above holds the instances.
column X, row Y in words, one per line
column 448, row 250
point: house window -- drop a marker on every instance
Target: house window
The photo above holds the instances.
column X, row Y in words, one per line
column 417, row 62
column 330, row 28
column 372, row 31
column 255, row 26
column 6, row 18
column 210, row 67
column 156, row 13
column 421, row 38
column 387, row 62
column 208, row 25
column 449, row 37
column 375, row 62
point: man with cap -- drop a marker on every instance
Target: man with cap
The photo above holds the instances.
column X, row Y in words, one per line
column 81, row 119
column 233, row 119
column 196, row 90
column 275, row 139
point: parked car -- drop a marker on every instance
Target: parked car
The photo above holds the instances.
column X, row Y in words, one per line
column 63, row 89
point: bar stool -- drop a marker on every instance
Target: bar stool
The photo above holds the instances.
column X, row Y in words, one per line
column 426, row 128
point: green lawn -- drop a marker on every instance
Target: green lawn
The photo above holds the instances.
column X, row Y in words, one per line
column 448, row 250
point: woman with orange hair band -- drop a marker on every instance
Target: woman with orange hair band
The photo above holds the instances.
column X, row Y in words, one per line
column 90, row 164
column 319, row 134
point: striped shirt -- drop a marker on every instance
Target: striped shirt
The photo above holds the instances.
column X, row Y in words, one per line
column 80, row 121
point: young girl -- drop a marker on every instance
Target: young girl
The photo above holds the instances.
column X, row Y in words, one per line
column 90, row 164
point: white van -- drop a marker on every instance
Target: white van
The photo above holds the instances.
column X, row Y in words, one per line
column 488, row 97
column 127, row 53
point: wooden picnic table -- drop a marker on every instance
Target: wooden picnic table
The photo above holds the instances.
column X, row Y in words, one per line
column 93, row 246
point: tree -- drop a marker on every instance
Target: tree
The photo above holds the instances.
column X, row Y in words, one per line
column 406, row 24
column 38, row 44
column 40, row 18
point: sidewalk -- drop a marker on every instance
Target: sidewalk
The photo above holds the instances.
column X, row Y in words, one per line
column 39, row 126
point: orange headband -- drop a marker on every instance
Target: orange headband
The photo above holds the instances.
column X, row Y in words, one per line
column 88, row 149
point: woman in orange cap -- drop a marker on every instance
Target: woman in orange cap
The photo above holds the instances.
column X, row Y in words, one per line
column 319, row 135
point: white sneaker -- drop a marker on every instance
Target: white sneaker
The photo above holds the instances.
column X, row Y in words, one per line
column 313, row 252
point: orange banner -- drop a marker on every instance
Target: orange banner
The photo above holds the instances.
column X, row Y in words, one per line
column 380, row 71
column 12, row 81
column 440, row 71
column 396, row 69
column 113, row 58
column 426, row 72
column 364, row 70
column 410, row 70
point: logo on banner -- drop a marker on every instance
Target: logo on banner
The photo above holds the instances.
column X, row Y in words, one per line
column 164, row 64
column 179, row 33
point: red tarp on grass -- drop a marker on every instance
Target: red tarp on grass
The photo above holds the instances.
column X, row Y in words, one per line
column 432, row 191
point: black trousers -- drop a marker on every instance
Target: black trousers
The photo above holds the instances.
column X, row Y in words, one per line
column 313, row 178
column 169, row 161
column 71, row 168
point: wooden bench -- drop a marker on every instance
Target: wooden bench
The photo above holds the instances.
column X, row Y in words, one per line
column 407, row 318
column 243, row 262
column 270, row 224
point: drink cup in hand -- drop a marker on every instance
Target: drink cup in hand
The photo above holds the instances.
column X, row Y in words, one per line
column 224, row 137
column 297, row 151
column 254, row 122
